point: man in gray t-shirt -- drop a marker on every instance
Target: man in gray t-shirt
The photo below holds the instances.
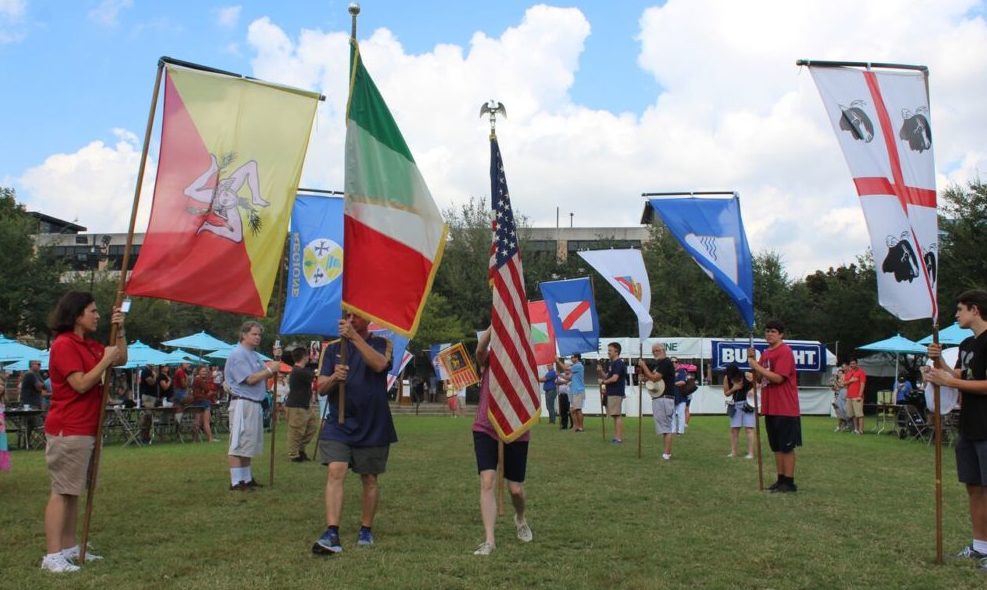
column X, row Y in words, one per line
column 245, row 375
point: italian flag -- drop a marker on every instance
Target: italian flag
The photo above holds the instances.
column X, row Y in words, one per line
column 393, row 231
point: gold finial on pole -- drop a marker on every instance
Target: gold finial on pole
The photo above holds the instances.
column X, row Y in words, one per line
column 492, row 108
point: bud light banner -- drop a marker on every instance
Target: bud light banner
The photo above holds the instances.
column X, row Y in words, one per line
column 808, row 357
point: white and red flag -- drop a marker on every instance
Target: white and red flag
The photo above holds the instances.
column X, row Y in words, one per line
column 882, row 121
column 625, row 271
column 515, row 393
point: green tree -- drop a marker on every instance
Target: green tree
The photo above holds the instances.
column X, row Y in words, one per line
column 30, row 270
column 962, row 227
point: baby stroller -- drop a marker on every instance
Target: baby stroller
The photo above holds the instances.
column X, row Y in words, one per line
column 911, row 422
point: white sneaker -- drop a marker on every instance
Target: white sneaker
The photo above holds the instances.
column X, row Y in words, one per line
column 73, row 554
column 666, row 456
column 57, row 564
column 730, row 455
column 523, row 530
column 484, row 549
column 748, row 456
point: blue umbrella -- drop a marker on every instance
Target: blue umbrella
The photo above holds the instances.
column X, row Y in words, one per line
column 24, row 364
column 179, row 356
column 12, row 350
column 224, row 353
column 140, row 354
column 897, row 344
column 200, row 341
column 952, row 335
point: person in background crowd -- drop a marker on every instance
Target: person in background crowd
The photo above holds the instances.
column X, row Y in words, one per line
column 562, row 385
column 614, row 390
column 302, row 412
column 662, row 406
column 577, row 391
column 738, row 388
column 903, row 390
column 4, row 449
column 550, row 387
column 204, row 396
column 452, row 400
column 77, row 366
column 33, row 393
column 855, row 379
column 838, row 386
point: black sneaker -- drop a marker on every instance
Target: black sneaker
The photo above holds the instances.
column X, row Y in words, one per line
column 784, row 488
column 303, row 456
column 298, row 459
column 774, row 486
column 241, row 486
column 253, row 483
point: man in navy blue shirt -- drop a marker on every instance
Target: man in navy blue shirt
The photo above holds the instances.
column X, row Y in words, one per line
column 614, row 381
column 363, row 440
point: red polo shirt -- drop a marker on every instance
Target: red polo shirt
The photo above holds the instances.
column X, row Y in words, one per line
column 73, row 413
column 856, row 389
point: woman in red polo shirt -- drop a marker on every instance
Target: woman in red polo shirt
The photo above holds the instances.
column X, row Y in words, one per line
column 76, row 365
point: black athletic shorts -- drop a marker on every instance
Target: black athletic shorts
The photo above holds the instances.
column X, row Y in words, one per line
column 971, row 461
column 515, row 456
column 784, row 433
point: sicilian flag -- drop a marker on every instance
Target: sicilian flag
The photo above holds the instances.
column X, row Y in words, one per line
column 231, row 156
column 394, row 232
column 712, row 232
column 624, row 270
column 542, row 334
column 882, row 122
column 315, row 267
column 572, row 312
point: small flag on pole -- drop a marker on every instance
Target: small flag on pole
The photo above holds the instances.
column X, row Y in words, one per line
column 624, row 270
column 572, row 312
column 542, row 334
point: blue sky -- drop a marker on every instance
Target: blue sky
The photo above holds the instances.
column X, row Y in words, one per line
column 606, row 100
column 77, row 75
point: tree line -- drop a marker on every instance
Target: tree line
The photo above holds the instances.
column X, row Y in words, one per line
column 837, row 306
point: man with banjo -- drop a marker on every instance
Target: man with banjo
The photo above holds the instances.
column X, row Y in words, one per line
column 660, row 384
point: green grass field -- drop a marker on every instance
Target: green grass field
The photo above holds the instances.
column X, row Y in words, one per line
column 602, row 518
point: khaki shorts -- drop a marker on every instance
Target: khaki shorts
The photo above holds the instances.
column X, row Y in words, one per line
column 576, row 401
column 615, row 405
column 246, row 428
column 67, row 458
column 855, row 408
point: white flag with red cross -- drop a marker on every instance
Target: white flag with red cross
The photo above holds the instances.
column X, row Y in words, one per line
column 882, row 121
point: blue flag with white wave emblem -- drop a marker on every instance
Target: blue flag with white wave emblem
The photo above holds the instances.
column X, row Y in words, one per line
column 712, row 232
column 312, row 304
column 572, row 311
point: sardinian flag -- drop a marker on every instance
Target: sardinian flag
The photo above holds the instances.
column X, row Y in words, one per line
column 883, row 124
column 515, row 395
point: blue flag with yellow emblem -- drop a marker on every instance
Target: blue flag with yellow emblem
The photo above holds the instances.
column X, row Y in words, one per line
column 312, row 304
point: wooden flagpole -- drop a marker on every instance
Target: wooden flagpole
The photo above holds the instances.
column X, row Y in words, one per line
column 757, row 428
column 124, row 269
column 937, row 423
column 279, row 310
column 640, row 401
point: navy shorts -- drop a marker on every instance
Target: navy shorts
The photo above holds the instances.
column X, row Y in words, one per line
column 515, row 456
column 784, row 433
column 971, row 461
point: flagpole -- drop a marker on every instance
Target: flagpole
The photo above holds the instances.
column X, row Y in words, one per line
column 858, row 64
column 354, row 10
column 757, row 427
column 640, row 401
column 124, row 268
column 279, row 311
column 937, row 423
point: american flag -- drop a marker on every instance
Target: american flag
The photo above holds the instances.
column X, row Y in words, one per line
column 515, row 402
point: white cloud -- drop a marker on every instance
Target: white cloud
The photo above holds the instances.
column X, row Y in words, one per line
column 11, row 20
column 107, row 12
column 94, row 185
column 734, row 114
column 228, row 16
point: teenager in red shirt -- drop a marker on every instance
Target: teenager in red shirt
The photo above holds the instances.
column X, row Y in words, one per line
column 76, row 365
column 779, row 403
